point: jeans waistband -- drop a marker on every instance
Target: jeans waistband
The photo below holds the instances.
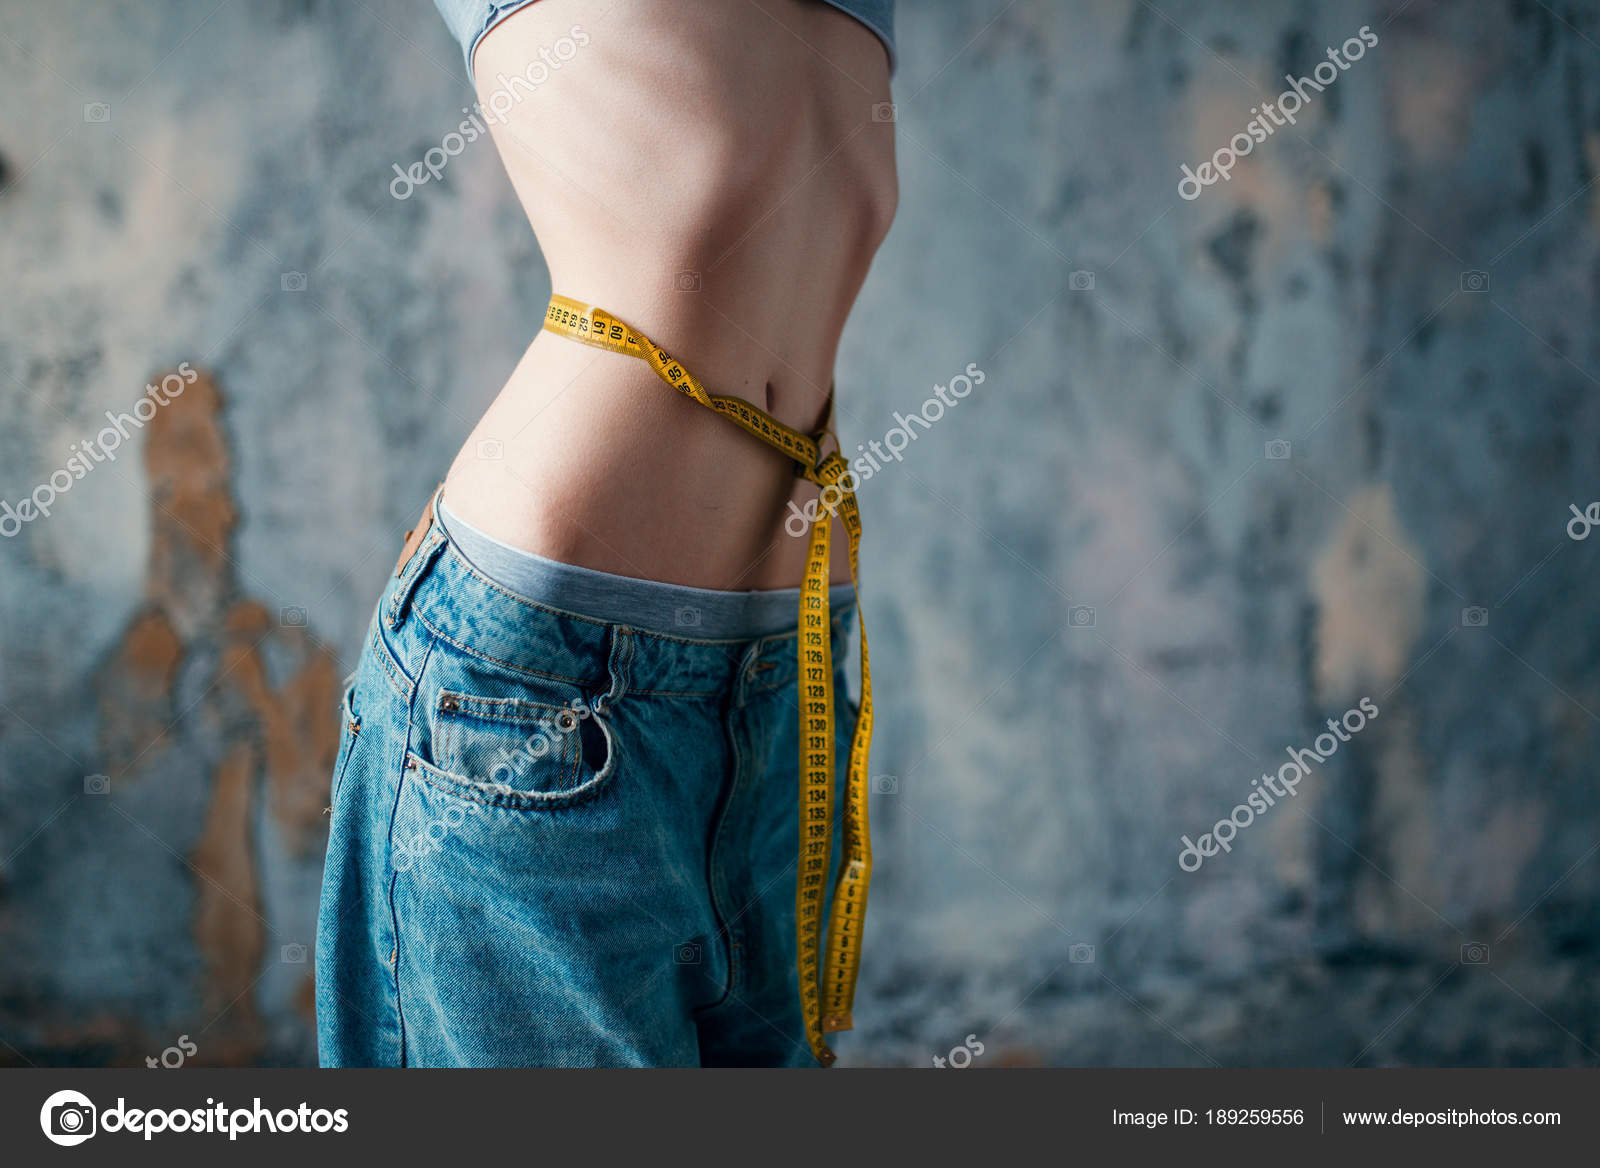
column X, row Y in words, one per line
column 446, row 592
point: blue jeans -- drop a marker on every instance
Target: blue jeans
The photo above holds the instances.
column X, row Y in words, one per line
column 559, row 841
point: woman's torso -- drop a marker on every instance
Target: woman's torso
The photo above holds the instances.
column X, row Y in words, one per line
column 718, row 175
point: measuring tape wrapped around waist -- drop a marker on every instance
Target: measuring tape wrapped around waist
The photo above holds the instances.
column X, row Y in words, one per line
column 827, row 984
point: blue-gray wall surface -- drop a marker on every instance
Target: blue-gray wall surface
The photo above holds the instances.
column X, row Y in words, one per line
column 1239, row 462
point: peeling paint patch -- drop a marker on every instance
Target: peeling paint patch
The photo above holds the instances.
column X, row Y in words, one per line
column 135, row 692
column 1368, row 586
column 228, row 927
column 1431, row 99
column 1512, row 836
column 192, row 510
column 299, row 732
column 1400, row 827
column 277, row 742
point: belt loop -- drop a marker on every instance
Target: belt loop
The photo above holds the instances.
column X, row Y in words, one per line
column 415, row 570
column 422, row 543
column 618, row 659
column 747, row 671
column 418, row 532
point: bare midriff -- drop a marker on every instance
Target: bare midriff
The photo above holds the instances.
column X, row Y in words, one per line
column 714, row 174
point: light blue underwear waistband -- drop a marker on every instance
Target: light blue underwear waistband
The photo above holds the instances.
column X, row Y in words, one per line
column 673, row 610
column 471, row 20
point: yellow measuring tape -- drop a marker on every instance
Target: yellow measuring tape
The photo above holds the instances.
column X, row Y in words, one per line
column 827, row 989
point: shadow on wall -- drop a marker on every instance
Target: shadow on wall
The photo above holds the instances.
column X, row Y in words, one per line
column 217, row 730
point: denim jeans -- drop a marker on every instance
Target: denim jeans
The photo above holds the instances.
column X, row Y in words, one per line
column 559, row 841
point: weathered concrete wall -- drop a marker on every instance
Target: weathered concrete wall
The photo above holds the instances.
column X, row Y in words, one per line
column 1102, row 600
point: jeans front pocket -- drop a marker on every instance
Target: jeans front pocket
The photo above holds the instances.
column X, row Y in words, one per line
column 514, row 752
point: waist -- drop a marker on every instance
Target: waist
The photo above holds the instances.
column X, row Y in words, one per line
column 588, row 459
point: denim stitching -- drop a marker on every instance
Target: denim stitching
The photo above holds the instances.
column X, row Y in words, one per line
column 394, row 873
column 735, row 963
column 411, row 576
column 775, row 638
column 569, row 761
column 350, row 732
column 581, row 683
column 490, row 708
column 459, row 787
column 398, row 679
column 447, row 639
